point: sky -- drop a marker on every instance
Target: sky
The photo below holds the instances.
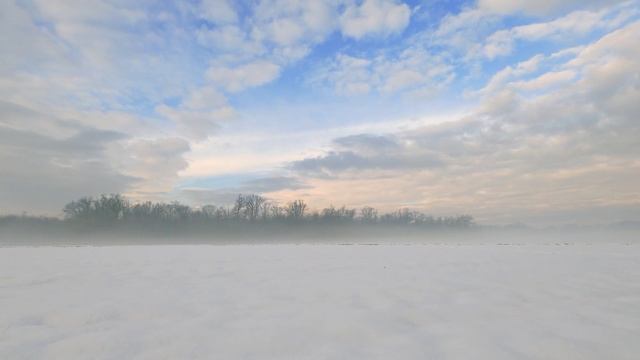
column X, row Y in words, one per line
column 509, row 110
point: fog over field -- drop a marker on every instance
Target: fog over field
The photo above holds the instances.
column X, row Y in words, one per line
column 319, row 179
column 254, row 219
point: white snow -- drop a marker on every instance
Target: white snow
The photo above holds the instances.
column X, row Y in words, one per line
column 321, row 302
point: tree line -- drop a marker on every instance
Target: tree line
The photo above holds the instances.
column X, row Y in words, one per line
column 251, row 218
column 108, row 210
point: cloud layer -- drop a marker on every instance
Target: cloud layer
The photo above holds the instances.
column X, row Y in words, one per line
column 333, row 101
column 575, row 146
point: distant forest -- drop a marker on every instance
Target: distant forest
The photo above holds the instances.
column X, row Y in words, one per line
column 250, row 216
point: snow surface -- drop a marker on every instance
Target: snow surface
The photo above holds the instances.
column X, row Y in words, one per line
column 321, row 302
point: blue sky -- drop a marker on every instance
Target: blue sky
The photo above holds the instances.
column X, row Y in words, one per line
column 513, row 111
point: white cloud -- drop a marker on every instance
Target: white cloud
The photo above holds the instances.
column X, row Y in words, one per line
column 512, row 76
column 205, row 98
column 412, row 70
column 217, row 11
column 540, row 7
column 285, row 31
column 230, row 40
column 499, row 43
column 499, row 79
column 462, row 33
column 244, row 76
column 577, row 23
column 200, row 114
column 620, row 42
column 546, row 80
column 402, row 79
column 155, row 163
column 288, row 28
column 348, row 75
column 197, row 125
column 21, row 40
column 481, row 32
column 374, row 18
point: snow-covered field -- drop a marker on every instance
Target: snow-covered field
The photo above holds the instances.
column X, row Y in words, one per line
column 321, row 302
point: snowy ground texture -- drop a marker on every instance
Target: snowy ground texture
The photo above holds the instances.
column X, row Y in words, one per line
column 321, row 302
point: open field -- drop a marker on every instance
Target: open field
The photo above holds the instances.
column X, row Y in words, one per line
column 432, row 301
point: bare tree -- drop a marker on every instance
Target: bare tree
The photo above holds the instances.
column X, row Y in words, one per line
column 369, row 215
column 277, row 212
column 341, row 214
column 80, row 209
column 296, row 209
column 253, row 205
column 266, row 210
column 238, row 207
